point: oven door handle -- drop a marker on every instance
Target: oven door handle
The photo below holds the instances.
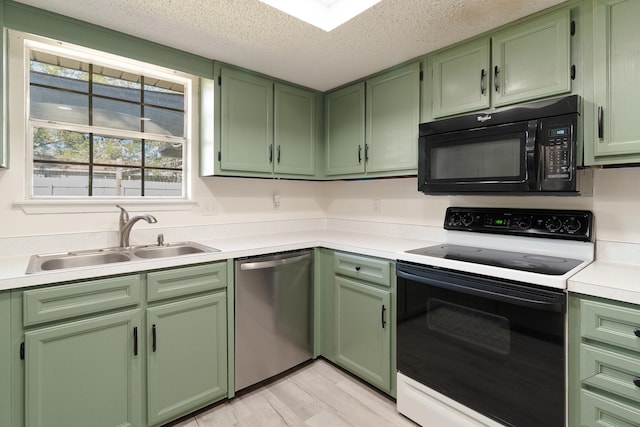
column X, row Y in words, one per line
column 499, row 294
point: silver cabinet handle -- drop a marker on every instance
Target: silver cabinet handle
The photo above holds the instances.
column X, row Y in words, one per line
column 274, row 263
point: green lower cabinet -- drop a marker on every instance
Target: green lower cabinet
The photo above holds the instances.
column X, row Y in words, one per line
column 86, row 372
column 362, row 331
column 187, row 356
column 604, row 363
column 5, row 359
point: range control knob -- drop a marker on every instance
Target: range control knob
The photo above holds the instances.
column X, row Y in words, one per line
column 455, row 219
column 553, row 224
column 572, row 225
column 467, row 220
column 524, row 222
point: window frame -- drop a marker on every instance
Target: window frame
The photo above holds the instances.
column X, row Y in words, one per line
column 20, row 45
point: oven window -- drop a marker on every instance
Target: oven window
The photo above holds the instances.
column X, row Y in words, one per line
column 479, row 328
column 488, row 159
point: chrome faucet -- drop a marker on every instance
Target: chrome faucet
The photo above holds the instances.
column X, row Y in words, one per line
column 127, row 224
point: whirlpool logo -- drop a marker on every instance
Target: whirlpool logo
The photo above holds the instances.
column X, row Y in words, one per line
column 484, row 118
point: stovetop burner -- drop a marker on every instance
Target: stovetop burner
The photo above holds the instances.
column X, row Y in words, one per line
column 542, row 264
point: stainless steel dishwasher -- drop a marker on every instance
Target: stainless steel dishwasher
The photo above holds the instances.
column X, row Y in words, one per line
column 273, row 316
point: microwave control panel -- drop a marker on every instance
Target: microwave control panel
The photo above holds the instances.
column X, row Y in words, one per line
column 558, row 153
column 559, row 224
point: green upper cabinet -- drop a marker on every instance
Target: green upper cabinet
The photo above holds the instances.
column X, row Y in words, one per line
column 4, row 143
column 344, row 130
column 532, row 60
column 294, row 130
column 254, row 126
column 187, row 356
column 616, row 44
column 371, row 128
column 527, row 61
column 87, row 372
column 246, row 121
column 461, row 78
column 392, row 118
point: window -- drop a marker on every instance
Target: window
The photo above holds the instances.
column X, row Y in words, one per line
column 104, row 126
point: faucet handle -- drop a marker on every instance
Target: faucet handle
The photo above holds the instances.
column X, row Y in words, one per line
column 124, row 215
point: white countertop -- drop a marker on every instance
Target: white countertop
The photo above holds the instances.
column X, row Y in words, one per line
column 607, row 279
column 12, row 269
column 604, row 279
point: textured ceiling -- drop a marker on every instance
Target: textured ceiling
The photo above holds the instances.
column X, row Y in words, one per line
column 250, row 34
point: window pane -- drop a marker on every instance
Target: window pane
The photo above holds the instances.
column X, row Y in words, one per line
column 60, row 180
column 165, row 94
column 162, row 183
column 163, row 122
column 116, row 88
column 163, row 154
column 116, row 114
column 58, row 76
column 117, row 151
column 60, row 145
column 60, row 106
column 116, row 182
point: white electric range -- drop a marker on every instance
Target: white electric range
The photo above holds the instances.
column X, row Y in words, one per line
column 482, row 317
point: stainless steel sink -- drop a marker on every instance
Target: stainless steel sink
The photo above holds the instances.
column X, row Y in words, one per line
column 97, row 257
column 171, row 249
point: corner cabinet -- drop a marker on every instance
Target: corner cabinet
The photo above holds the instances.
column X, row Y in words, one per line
column 604, row 363
column 616, row 43
column 527, row 61
column 371, row 127
column 84, row 353
column 358, row 316
column 259, row 127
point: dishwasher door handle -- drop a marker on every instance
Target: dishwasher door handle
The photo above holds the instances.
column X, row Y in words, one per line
column 273, row 263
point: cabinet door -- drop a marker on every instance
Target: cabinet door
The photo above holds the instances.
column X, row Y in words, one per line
column 5, row 359
column 461, row 79
column 87, row 372
column 532, row 60
column 187, row 356
column 616, row 43
column 393, row 115
column 344, row 122
column 363, row 343
column 246, row 122
column 294, row 130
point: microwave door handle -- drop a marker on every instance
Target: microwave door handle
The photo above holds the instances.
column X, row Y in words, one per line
column 532, row 172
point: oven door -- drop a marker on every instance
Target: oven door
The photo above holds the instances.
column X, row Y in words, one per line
column 494, row 159
column 492, row 345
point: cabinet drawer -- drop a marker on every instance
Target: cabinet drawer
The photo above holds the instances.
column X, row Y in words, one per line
column 364, row 268
column 76, row 299
column 610, row 323
column 597, row 411
column 611, row 371
column 186, row 281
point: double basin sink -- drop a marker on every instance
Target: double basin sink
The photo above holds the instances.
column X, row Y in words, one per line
column 97, row 257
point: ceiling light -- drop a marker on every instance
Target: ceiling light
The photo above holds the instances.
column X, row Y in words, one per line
column 324, row 14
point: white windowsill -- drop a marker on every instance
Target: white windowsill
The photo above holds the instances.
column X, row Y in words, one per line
column 37, row 207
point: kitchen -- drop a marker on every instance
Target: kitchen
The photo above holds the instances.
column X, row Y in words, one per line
column 229, row 207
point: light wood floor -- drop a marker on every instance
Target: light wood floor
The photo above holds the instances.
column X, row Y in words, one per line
column 317, row 395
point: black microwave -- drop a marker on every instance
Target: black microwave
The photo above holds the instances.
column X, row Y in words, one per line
column 529, row 149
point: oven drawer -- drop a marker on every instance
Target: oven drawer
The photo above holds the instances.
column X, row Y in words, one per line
column 612, row 324
column 369, row 269
column 598, row 410
column 614, row 372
